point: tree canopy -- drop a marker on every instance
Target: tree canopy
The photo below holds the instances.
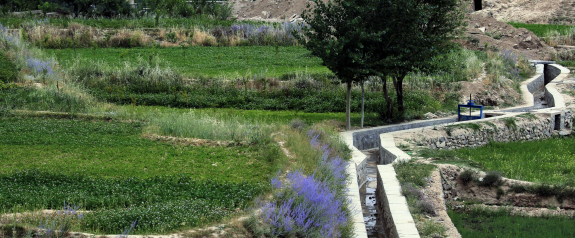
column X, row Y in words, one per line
column 361, row 38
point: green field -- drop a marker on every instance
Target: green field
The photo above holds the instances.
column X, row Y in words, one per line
column 108, row 168
column 480, row 224
column 541, row 29
column 548, row 161
column 259, row 116
column 230, row 62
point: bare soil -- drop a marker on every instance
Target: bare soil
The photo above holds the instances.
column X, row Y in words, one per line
column 532, row 11
column 269, row 10
column 457, row 192
column 484, row 32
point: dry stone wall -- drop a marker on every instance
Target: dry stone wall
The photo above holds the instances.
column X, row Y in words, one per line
column 524, row 129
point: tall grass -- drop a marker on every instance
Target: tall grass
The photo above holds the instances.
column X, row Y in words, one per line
column 51, row 91
column 200, row 125
column 75, row 35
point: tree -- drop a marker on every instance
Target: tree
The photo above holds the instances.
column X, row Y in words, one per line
column 416, row 32
column 336, row 34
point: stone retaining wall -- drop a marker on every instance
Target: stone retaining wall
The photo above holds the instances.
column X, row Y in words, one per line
column 369, row 138
column 525, row 129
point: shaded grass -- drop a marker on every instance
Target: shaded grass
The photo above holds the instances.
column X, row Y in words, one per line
column 231, row 62
column 549, row 161
column 481, row 223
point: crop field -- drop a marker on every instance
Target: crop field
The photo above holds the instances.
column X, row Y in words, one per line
column 480, row 223
column 548, row 161
column 109, row 169
column 227, row 62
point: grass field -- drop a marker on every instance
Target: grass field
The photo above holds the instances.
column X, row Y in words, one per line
column 257, row 116
column 479, row 223
column 230, row 62
column 108, row 168
column 548, row 161
column 540, row 30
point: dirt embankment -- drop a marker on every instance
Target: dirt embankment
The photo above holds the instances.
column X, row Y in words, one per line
column 456, row 191
column 532, row 11
column 484, row 30
column 269, row 10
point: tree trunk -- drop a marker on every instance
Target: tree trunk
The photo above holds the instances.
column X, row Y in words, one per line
column 398, row 84
column 348, row 107
column 362, row 102
column 388, row 107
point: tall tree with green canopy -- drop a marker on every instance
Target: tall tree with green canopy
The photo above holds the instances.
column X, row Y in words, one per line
column 416, row 31
column 336, row 34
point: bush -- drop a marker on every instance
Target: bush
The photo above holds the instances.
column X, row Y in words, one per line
column 425, row 206
column 297, row 124
column 8, row 71
column 466, row 176
column 491, row 178
column 410, row 191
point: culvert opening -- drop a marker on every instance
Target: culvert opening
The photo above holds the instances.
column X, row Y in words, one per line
column 557, row 122
column 477, row 5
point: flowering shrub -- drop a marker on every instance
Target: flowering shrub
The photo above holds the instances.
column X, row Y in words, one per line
column 313, row 205
column 39, row 66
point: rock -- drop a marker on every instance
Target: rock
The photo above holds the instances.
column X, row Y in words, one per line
column 440, row 144
column 482, row 29
column 528, row 39
column 447, row 187
column 430, row 115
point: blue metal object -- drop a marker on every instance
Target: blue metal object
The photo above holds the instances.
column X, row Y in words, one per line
column 470, row 106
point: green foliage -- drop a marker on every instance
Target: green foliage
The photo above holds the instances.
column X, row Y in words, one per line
column 500, row 223
column 510, row 122
column 467, row 176
column 413, row 173
column 540, row 30
column 491, row 179
column 431, row 228
column 209, row 62
column 44, row 99
column 8, row 71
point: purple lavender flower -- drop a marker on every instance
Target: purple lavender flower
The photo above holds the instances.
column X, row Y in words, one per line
column 39, row 66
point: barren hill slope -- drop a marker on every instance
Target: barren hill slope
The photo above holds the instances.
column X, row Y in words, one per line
column 532, row 11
